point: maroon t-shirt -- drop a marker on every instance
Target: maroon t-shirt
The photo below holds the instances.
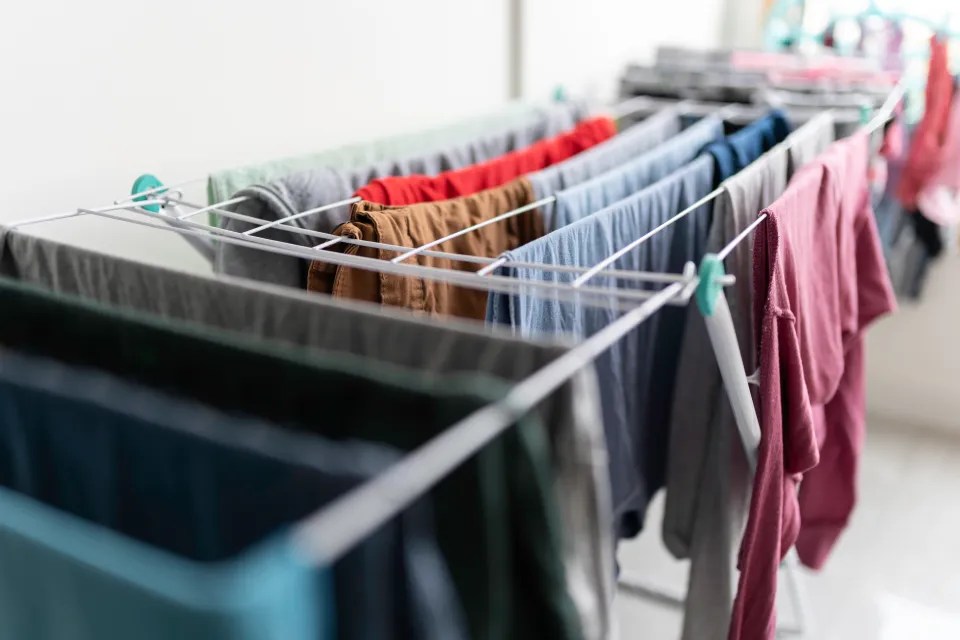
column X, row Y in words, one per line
column 819, row 277
column 828, row 492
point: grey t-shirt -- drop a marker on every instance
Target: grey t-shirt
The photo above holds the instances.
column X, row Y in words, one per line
column 314, row 188
column 708, row 479
column 572, row 414
column 810, row 140
column 635, row 401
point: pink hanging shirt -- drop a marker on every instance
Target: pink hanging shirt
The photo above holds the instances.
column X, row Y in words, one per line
column 828, row 492
column 817, row 248
column 926, row 149
column 939, row 199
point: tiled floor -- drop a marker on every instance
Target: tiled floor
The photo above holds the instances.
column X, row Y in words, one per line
column 894, row 575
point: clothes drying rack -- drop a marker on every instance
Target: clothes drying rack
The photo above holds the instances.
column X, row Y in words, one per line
column 335, row 529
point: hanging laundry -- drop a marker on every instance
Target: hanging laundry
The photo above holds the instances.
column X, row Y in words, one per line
column 107, row 585
column 207, row 547
column 512, row 529
column 805, row 147
column 294, row 193
column 707, row 472
column 319, row 324
column 742, row 147
column 910, row 240
column 828, row 493
column 492, row 173
column 929, row 161
column 939, row 199
column 631, row 395
column 638, row 466
column 581, row 200
column 637, row 139
column 419, row 224
column 813, row 239
column 473, row 140
column 927, row 147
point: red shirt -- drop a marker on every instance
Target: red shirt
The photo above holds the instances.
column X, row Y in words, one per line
column 819, row 277
column 926, row 149
column 493, row 173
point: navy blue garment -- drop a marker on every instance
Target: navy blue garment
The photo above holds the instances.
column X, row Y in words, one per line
column 732, row 154
column 208, row 488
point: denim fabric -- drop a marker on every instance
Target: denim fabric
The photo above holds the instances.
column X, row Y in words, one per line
column 636, row 403
column 637, row 139
column 625, row 180
column 739, row 149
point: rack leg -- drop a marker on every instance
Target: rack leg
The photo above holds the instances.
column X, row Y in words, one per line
column 723, row 338
column 797, row 596
column 636, row 587
column 726, row 348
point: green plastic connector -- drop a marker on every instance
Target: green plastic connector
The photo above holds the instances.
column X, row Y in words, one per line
column 559, row 94
column 866, row 113
column 146, row 182
column 709, row 288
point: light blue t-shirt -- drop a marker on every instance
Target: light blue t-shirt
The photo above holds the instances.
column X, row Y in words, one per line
column 616, row 184
column 637, row 374
column 605, row 156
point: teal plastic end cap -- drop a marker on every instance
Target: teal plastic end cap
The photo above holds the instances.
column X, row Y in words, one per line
column 559, row 94
column 865, row 114
column 709, row 288
column 146, row 182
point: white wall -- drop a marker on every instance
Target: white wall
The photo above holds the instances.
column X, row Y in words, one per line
column 94, row 93
column 914, row 357
column 743, row 23
column 584, row 46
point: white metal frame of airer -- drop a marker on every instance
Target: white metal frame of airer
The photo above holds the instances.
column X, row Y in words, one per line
column 334, row 530
column 343, row 524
